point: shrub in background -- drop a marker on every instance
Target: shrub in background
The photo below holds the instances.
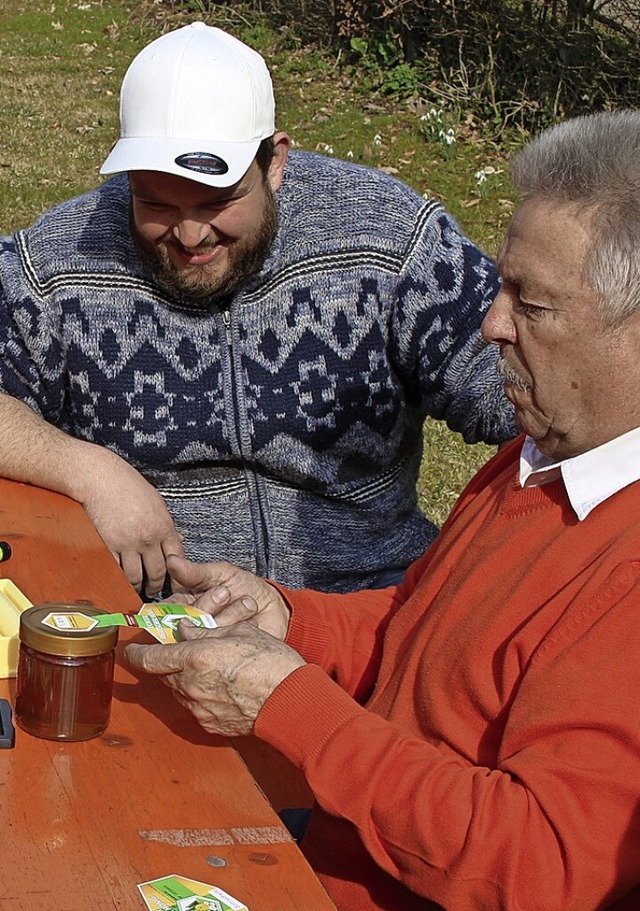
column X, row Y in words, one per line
column 516, row 63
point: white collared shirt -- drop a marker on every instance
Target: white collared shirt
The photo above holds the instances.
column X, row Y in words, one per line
column 590, row 478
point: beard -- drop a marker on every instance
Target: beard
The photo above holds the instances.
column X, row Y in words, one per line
column 196, row 286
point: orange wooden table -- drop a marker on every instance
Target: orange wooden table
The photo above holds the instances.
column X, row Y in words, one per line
column 81, row 824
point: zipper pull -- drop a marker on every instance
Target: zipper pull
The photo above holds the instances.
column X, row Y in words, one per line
column 226, row 319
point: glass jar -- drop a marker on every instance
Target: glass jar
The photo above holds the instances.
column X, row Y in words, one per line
column 65, row 671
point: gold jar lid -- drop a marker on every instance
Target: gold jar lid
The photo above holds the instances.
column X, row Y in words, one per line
column 67, row 630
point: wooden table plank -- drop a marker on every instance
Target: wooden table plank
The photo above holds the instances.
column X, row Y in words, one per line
column 83, row 823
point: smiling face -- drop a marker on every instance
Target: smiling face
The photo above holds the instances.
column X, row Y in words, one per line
column 573, row 381
column 200, row 241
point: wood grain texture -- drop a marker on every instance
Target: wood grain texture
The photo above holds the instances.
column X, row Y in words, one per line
column 82, row 824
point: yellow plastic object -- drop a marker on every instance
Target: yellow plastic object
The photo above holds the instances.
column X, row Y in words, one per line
column 12, row 603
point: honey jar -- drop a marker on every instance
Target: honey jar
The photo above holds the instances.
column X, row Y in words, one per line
column 64, row 681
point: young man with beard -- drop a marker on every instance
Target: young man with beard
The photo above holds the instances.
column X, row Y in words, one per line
column 229, row 350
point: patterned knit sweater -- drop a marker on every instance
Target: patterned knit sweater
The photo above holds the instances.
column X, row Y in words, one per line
column 284, row 427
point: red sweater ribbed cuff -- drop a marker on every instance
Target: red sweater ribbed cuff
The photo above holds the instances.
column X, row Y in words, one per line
column 306, row 634
column 302, row 712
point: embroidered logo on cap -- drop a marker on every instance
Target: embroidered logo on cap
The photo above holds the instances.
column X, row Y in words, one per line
column 203, row 163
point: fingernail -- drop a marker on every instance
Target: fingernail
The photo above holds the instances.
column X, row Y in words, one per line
column 220, row 595
column 184, row 624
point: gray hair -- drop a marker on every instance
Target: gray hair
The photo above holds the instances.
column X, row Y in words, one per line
column 592, row 164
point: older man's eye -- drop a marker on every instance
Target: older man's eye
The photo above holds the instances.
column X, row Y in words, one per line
column 531, row 310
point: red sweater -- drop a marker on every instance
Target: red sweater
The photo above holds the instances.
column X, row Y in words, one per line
column 473, row 736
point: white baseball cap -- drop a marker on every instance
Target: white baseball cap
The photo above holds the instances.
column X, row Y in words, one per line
column 196, row 102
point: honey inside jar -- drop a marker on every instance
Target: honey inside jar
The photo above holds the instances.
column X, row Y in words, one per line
column 65, row 672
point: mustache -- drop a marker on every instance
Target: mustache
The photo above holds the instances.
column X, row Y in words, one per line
column 205, row 246
column 507, row 371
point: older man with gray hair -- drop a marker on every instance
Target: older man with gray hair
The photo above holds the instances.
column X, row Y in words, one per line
column 472, row 736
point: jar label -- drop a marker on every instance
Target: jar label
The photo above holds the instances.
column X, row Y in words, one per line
column 178, row 893
column 70, row 621
column 161, row 620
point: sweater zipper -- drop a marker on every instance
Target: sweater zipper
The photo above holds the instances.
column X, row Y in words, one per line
column 262, row 558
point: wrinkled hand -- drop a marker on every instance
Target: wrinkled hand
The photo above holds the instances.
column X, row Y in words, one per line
column 223, row 676
column 229, row 594
column 133, row 521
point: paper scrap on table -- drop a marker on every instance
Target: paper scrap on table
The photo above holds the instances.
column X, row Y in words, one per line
column 177, row 893
column 160, row 619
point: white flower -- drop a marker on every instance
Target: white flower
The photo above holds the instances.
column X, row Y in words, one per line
column 431, row 115
column 377, row 140
column 483, row 173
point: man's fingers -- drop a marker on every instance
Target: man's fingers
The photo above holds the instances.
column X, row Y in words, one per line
column 235, row 612
column 202, row 580
column 131, row 564
column 155, row 572
column 173, row 545
column 150, row 566
column 169, row 658
column 187, row 630
column 186, row 573
column 154, row 659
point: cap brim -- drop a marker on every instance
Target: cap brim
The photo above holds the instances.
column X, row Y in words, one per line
column 219, row 164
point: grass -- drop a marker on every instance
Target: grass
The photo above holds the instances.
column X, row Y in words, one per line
column 61, row 64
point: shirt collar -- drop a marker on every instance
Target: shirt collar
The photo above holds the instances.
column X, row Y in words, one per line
column 590, row 478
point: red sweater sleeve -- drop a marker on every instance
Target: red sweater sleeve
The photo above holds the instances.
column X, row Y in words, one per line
column 321, row 624
column 537, row 831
